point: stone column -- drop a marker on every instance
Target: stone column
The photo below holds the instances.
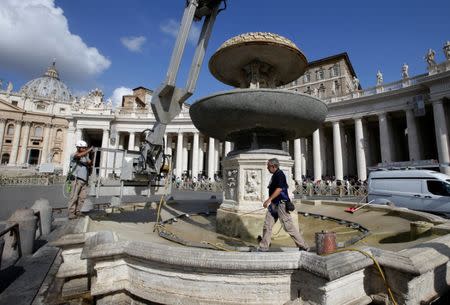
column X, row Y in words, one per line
column 337, row 149
column 169, row 145
column 227, row 148
column 360, row 150
column 317, row 156
column 131, row 141
column 216, row 156
column 195, row 155
column 442, row 141
column 211, row 162
column 303, row 154
column 297, row 161
column 2, row 131
column 24, row 141
column 185, row 155
column 413, row 139
column 69, row 146
column 104, row 154
column 45, row 144
column 79, row 134
column 165, row 143
column 15, row 143
column 385, row 138
column 201, row 153
column 179, row 159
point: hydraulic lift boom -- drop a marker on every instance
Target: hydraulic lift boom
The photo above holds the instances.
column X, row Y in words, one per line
column 168, row 99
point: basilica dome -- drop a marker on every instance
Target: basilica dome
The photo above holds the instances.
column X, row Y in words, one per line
column 48, row 87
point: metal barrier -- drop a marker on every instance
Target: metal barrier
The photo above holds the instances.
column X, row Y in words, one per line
column 200, row 186
column 323, row 189
column 32, row 180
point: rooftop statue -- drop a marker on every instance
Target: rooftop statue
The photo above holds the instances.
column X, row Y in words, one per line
column 379, row 78
column 355, row 82
column 446, row 50
column 429, row 57
column 405, row 73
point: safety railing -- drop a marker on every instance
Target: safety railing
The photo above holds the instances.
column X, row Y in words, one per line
column 32, row 180
column 198, row 186
column 311, row 189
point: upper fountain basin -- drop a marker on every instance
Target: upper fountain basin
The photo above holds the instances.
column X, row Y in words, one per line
column 286, row 60
column 287, row 113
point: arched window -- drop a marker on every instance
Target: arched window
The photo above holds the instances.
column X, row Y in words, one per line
column 10, row 130
column 5, row 158
column 38, row 131
column 59, row 134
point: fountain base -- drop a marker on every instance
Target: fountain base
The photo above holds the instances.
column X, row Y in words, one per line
column 246, row 180
column 248, row 226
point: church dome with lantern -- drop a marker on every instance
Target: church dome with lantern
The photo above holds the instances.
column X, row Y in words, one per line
column 48, row 87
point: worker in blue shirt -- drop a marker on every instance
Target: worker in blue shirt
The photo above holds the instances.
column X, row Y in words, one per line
column 276, row 205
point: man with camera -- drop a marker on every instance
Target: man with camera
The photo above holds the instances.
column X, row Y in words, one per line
column 80, row 164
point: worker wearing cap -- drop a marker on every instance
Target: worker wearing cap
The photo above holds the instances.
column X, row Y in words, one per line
column 80, row 164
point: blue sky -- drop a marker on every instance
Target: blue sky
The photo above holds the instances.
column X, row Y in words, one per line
column 111, row 44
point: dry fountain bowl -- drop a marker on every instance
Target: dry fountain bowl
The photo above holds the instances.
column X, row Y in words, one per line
column 228, row 116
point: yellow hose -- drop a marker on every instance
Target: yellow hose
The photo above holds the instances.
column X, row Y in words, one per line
column 378, row 267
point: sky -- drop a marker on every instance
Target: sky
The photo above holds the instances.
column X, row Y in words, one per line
column 117, row 45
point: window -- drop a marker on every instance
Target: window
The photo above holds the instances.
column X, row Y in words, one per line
column 14, row 103
column 10, row 130
column 5, row 158
column 335, row 70
column 320, row 74
column 307, row 77
column 440, row 188
column 38, row 131
column 62, row 110
column 40, row 107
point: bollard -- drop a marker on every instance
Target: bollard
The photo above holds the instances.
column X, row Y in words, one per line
column 325, row 242
column 27, row 228
column 43, row 206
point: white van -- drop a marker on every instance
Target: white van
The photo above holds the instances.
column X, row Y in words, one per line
column 421, row 190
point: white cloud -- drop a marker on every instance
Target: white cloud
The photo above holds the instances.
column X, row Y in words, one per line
column 118, row 93
column 171, row 28
column 133, row 43
column 33, row 32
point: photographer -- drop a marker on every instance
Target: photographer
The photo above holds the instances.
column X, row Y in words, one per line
column 79, row 175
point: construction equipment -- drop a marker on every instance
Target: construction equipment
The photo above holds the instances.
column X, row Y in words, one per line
column 168, row 99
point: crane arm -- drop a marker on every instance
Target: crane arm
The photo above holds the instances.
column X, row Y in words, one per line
column 168, row 99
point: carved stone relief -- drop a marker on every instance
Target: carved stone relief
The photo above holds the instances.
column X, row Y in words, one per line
column 231, row 184
column 252, row 186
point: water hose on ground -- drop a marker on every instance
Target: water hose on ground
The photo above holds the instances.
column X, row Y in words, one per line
column 378, row 267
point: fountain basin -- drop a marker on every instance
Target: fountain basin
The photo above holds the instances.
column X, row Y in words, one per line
column 231, row 115
column 155, row 270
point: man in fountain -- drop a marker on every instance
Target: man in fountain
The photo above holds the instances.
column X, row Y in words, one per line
column 276, row 205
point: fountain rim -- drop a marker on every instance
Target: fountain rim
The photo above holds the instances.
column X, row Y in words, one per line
column 245, row 90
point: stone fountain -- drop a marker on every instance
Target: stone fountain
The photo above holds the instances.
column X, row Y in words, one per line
column 118, row 258
column 257, row 117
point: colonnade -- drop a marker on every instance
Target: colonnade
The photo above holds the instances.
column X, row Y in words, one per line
column 374, row 146
column 341, row 147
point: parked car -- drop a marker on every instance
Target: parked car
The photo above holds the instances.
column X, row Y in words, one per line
column 421, row 190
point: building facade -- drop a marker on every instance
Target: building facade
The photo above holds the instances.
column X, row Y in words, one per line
column 403, row 121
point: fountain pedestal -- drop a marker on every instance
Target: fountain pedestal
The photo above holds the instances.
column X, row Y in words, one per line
column 245, row 189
